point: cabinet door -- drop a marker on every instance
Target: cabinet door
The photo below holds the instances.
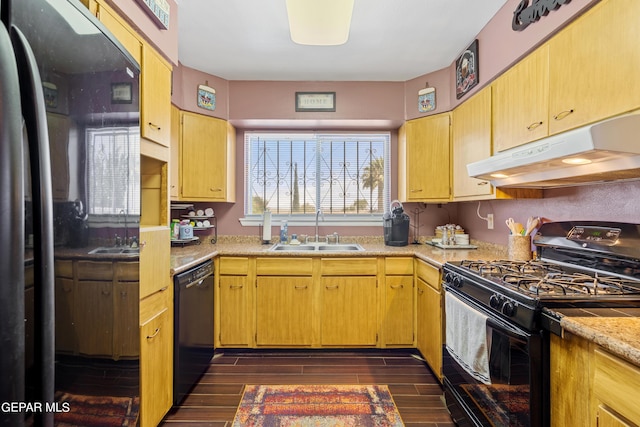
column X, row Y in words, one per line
column 93, row 317
column 471, row 137
column 155, row 257
column 521, row 102
column 59, row 127
column 432, row 324
column 65, row 325
column 122, row 31
column 606, row 418
column 126, row 332
column 424, row 157
column 156, row 368
column 203, row 157
column 155, row 97
column 235, row 318
column 174, row 166
column 593, row 64
column 284, row 310
column 422, row 338
column 398, row 313
column 348, row 311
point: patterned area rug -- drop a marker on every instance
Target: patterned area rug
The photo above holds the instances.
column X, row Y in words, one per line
column 512, row 409
column 94, row 411
column 317, row 406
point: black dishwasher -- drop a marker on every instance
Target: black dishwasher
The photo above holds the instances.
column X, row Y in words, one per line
column 193, row 327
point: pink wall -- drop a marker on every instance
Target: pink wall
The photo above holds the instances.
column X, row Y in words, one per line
column 601, row 202
column 498, row 48
column 185, row 88
column 164, row 40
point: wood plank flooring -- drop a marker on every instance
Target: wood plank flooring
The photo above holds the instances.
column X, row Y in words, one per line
column 213, row 401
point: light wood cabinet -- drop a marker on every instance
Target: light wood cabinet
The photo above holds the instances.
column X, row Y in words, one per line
column 155, row 256
column 348, row 302
column 424, row 156
column 471, row 136
column 156, row 356
column 521, row 102
column 58, row 127
column 430, row 315
column 471, row 141
column 174, row 172
column 126, row 341
column 207, row 158
column 155, row 96
column 64, row 306
column 592, row 64
column 398, row 312
column 284, row 302
column 120, row 29
column 615, row 390
column 235, row 318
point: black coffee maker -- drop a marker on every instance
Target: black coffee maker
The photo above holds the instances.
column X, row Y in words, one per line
column 78, row 227
column 396, row 225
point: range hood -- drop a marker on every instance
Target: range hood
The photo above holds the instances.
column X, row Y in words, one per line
column 601, row 152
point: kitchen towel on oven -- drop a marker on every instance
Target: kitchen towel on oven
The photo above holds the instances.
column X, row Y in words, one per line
column 466, row 337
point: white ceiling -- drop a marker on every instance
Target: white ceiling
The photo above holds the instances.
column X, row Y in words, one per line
column 390, row 40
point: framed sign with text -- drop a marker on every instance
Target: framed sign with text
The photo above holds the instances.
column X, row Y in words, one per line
column 158, row 10
column 315, row 101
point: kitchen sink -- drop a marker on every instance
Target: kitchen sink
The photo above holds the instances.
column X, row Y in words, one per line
column 278, row 247
column 115, row 251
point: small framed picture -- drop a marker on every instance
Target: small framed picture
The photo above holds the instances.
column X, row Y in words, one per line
column 315, row 101
column 467, row 70
column 121, row 93
column 50, row 92
column 206, row 97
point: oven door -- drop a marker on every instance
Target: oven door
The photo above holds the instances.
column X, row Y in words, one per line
column 515, row 395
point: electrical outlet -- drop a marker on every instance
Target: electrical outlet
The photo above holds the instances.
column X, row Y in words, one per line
column 490, row 221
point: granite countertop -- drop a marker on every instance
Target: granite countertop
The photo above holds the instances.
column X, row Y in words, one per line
column 186, row 257
column 619, row 335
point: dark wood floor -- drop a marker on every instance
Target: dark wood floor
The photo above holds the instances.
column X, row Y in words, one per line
column 213, row 401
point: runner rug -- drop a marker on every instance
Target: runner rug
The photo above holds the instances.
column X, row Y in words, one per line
column 94, row 411
column 317, row 406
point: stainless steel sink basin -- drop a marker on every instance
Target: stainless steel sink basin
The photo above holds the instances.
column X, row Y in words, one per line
column 323, row 247
column 115, row 251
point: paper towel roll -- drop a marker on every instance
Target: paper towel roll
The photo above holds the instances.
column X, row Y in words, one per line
column 266, row 226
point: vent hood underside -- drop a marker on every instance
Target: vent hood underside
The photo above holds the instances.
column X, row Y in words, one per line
column 612, row 147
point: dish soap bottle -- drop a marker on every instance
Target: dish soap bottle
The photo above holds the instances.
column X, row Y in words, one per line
column 283, row 232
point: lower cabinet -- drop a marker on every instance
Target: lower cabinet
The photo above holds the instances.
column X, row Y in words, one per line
column 284, row 302
column 430, row 315
column 397, row 316
column 348, row 302
column 234, row 322
column 156, row 356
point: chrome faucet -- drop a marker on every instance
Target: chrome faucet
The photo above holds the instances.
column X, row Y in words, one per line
column 318, row 213
column 126, row 228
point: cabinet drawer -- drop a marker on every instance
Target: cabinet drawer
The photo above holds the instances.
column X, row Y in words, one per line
column 95, row 270
column 615, row 381
column 429, row 274
column 127, row 271
column 349, row 266
column 64, row 268
column 154, row 304
column 284, row 266
column 232, row 265
column 399, row 266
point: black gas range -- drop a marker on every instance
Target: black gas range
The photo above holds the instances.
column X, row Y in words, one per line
column 582, row 268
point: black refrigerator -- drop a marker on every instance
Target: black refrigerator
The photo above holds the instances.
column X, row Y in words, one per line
column 69, row 176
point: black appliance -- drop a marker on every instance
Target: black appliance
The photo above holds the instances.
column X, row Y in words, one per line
column 583, row 268
column 396, row 225
column 57, row 64
column 193, row 327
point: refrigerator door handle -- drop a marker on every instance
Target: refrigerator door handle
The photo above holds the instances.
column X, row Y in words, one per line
column 12, row 331
column 35, row 116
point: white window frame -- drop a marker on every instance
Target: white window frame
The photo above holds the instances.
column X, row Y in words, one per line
column 341, row 219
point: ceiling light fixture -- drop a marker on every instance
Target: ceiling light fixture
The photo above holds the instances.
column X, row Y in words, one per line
column 319, row 22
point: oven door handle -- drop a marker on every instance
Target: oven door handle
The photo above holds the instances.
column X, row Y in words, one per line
column 493, row 320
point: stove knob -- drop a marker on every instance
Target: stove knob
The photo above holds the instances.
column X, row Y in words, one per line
column 508, row 309
column 448, row 278
column 457, row 281
column 494, row 301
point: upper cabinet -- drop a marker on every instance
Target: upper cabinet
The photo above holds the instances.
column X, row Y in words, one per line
column 207, row 158
column 471, row 135
column 521, row 102
column 580, row 76
column 592, row 64
column 155, row 96
column 424, row 173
